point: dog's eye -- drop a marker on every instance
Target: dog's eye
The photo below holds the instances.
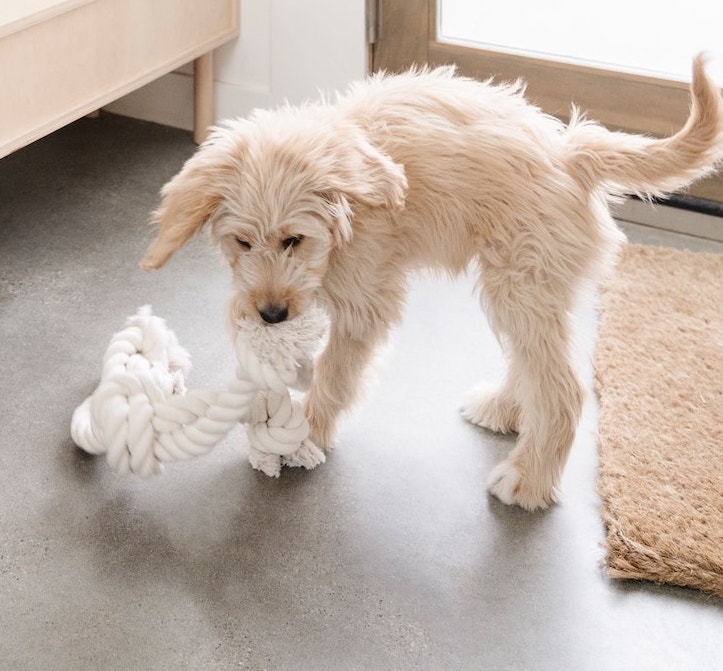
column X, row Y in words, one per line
column 242, row 243
column 293, row 241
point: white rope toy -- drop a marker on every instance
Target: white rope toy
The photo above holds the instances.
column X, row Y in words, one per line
column 140, row 415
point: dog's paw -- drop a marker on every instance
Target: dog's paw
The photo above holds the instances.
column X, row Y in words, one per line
column 322, row 441
column 319, row 434
column 322, row 425
column 492, row 410
column 509, row 486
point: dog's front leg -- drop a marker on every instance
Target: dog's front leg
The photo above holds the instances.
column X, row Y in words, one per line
column 336, row 384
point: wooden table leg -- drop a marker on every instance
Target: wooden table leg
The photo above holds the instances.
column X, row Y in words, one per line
column 202, row 96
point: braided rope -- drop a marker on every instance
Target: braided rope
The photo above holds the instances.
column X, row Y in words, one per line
column 140, row 415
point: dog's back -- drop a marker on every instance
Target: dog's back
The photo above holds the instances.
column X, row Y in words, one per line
column 482, row 160
column 491, row 130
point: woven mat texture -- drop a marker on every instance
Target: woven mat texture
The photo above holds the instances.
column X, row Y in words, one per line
column 659, row 379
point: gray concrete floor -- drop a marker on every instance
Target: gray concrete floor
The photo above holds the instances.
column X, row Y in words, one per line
column 389, row 556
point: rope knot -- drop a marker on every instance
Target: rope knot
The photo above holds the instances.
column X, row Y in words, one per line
column 140, row 415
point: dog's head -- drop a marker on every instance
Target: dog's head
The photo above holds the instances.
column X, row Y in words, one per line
column 278, row 192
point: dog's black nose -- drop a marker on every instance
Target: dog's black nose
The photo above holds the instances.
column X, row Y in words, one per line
column 273, row 314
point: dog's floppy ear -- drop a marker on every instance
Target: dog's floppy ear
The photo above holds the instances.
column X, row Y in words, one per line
column 340, row 214
column 191, row 197
column 363, row 173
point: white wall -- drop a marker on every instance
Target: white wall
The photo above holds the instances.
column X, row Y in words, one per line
column 287, row 49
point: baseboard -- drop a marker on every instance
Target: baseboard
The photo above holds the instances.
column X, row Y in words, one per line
column 678, row 219
column 169, row 100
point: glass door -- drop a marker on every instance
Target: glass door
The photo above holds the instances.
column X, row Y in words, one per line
column 624, row 35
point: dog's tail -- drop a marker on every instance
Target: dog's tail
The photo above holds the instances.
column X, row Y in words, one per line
column 647, row 167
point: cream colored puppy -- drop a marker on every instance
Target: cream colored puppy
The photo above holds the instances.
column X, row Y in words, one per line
column 337, row 202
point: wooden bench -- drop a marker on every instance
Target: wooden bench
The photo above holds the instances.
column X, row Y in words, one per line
column 63, row 59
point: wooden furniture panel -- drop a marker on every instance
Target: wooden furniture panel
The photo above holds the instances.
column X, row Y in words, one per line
column 61, row 59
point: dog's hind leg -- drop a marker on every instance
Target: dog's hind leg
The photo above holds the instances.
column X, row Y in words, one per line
column 496, row 409
column 550, row 398
column 543, row 392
